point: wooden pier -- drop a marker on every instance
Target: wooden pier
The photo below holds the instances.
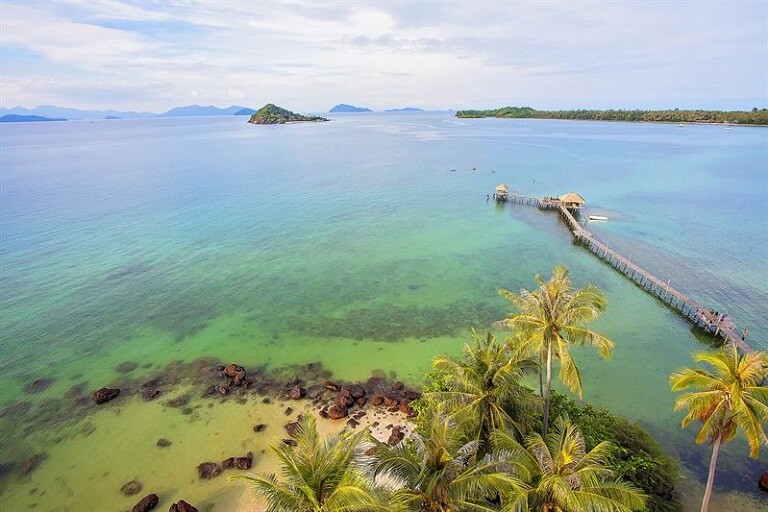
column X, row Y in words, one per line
column 718, row 325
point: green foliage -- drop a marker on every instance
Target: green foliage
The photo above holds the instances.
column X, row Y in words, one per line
column 272, row 114
column 637, row 457
column 755, row 116
column 321, row 475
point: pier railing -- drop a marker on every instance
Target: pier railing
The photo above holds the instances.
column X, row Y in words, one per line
column 718, row 325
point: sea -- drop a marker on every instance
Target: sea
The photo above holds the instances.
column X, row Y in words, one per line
column 365, row 246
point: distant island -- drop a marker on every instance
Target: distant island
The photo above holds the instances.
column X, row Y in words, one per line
column 272, row 114
column 343, row 107
column 753, row 117
column 406, row 109
column 198, row 110
column 245, row 112
column 16, row 118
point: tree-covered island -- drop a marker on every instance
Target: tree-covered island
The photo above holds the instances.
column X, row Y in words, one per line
column 753, row 117
column 272, row 114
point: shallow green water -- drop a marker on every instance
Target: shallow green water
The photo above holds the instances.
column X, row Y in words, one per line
column 353, row 244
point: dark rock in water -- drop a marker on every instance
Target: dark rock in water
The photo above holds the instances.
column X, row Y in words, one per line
column 15, row 409
column 152, row 383
column 288, row 411
column 39, row 385
column 763, row 483
column 331, row 386
column 179, row 401
column 259, row 428
column 352, row 422
column 104, row 395
column 411, row 395
column 291, row 428
column 208, row 470
column 147, row 503
column 75, row 391
column 150, row 394
column 126, row 367
column 223, row 390
column 266, row 400
column 337, row 411
column 31, row 464
column 344, row 400
column 297, row 392
column 396, row 435
column 354, row 391
column 231, row 370
column 210, row 391
column 324, row 412
column 163, row 443
column 398, row 386
column 238, row 462
column 131, row 488
column 290, row 442
column 187, row 411
column 182, row 506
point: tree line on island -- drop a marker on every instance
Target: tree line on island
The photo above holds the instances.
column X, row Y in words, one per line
column 484, row 442
column 753, row 117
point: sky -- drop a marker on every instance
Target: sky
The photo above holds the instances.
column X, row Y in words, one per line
column 152, row 55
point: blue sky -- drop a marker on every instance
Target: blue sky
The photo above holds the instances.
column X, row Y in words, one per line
column 310, row 55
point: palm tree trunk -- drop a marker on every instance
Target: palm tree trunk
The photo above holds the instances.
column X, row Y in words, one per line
column 547, row 392
column 541, row 378
column 711, row 477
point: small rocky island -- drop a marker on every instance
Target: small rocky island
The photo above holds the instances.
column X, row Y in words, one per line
column 272, row 114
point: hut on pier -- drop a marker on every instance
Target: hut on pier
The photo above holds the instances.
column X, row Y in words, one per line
column 572, row 201
column 501, row 192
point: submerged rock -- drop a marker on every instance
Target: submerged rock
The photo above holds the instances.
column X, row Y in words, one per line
column 763, row 483
column 126, row 367
column 131, row 488
column 150, row 394
column 259, row 428
column 163, row 443
column 39, row 385
column 104, row 395
column 238, row 462
column 31, row 464
column 147, row 503
column 208, row 470
column 182, row 506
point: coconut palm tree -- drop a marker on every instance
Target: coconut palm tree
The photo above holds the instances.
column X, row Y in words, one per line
column 728, row 398
column 564, row 476
column 485, row 387
column 442, row 472
column 551, row 318
column 320, row 475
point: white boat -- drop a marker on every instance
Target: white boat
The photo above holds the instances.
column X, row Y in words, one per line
column 597, row 217
column 680, row 125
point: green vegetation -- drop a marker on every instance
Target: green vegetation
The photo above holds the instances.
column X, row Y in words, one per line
column 441, row 469
column 754, row 116
column 320, row 475
column 566, row 475
column 731, row 398
column 550, row 319
column 272, row 114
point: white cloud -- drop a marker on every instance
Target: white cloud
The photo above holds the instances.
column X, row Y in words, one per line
column 383, row 54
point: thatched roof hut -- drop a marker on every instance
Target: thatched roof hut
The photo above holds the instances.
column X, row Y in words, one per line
column 502, row 189
column 572, row 200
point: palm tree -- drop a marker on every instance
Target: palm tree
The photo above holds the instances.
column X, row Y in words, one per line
column 320, row 475
column 728, row 399
column 442, row 472
column 485, row 387
column 549, row 320
column 565, row 477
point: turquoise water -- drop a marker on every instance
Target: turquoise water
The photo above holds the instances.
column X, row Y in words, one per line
column 353, row 244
